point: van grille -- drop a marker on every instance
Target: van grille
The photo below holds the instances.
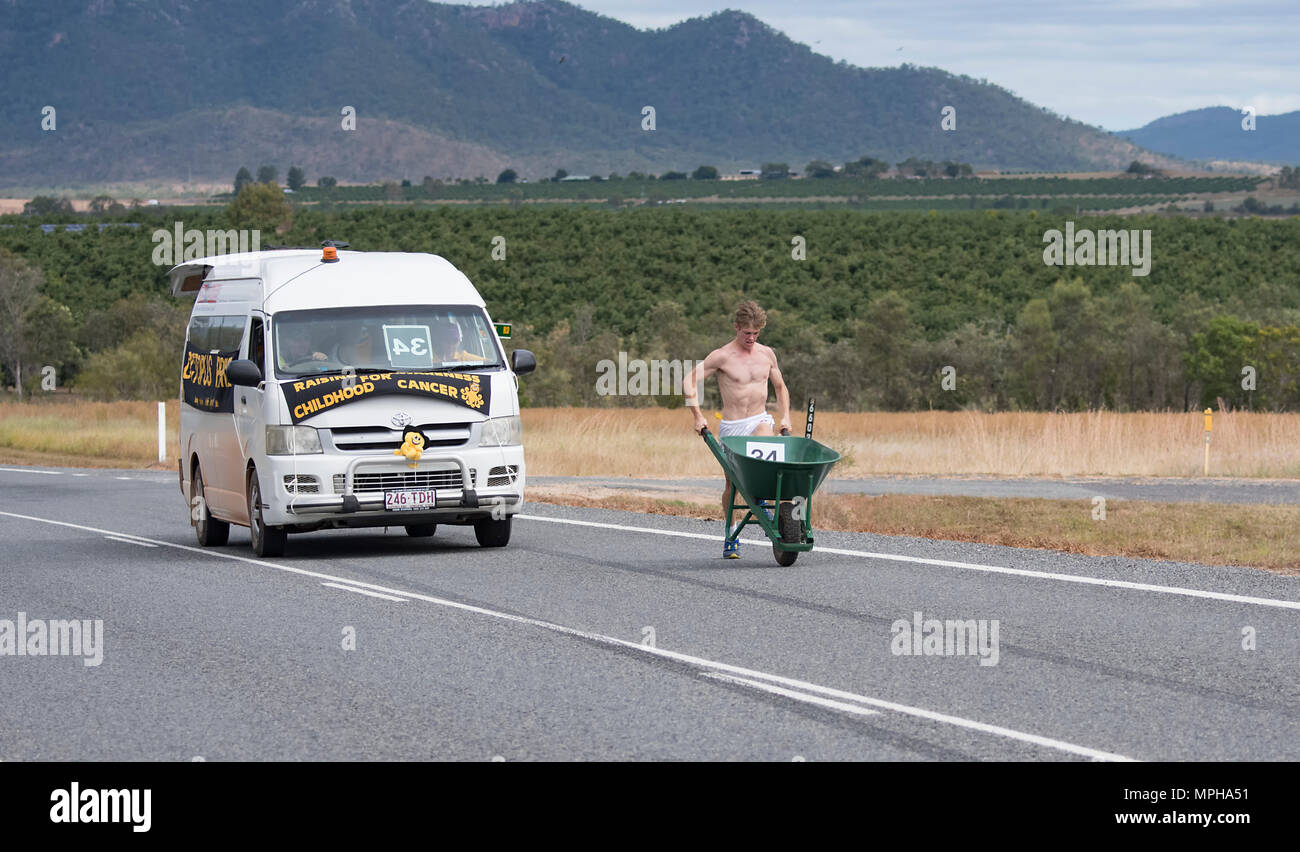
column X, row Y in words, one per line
column 362, row 438
column 399, row 480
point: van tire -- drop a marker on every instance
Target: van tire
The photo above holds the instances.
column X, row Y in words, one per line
column 492, row 533
column 267, row 540
column 421, row 530
column 209, row 531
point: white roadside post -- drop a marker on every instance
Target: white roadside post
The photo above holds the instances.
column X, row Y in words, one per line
column 162, row 431
column 1207, row 442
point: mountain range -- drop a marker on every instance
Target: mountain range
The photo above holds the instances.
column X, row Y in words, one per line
column 1219, row 133
column 170, row 89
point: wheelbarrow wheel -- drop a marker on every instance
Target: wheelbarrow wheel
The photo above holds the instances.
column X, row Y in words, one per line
column 791, row 532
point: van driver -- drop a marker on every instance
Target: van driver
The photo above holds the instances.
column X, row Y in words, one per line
column 295, row 346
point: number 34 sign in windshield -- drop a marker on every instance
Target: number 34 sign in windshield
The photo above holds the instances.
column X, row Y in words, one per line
column 408, row 345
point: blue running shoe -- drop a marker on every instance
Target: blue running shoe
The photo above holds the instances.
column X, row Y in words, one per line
column 767, row 510
column 731, row 549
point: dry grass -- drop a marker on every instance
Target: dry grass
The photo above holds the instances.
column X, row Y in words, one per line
column 64, row 431
column 1213, row 534
column 658, row 443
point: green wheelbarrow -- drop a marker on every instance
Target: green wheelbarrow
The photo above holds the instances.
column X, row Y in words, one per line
column 780, row 469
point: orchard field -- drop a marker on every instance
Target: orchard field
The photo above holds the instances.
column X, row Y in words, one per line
column 866, row 310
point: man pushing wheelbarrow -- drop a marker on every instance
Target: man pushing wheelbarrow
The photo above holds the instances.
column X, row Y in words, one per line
column 776, row 475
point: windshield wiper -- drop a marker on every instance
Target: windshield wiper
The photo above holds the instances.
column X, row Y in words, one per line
column 472, row 365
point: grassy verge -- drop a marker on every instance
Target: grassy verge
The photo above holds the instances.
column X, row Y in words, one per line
column 73, row 433
column 658, row 442
column 1258, row 536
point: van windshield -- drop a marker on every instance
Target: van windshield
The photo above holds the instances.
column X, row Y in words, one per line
column 394, row 337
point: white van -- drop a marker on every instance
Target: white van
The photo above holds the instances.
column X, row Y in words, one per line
column 324, row 389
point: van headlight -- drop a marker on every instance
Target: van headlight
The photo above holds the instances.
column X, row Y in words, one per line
column 292, row 440
column 502, row 432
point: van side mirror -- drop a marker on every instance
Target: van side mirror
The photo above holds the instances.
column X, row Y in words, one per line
column 243, row 372
column 522, row 361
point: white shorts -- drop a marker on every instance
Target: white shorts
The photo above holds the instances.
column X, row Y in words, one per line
column 746, row 426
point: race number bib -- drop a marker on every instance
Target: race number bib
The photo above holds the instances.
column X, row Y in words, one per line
column 408, row 345
column 765, row 450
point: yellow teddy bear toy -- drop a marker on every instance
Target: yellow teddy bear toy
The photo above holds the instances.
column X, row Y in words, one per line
column 412, row 446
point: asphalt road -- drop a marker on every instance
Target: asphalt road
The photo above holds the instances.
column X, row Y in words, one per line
column 540, row 650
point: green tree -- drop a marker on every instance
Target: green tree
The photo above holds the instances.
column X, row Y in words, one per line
column 266, row 174
column 1036, row 352
column 49, row 339
column 326, row 182
column 296, row 179
column 705, row 173
column 105, row 204
column 508, row 176
column 20, row 284
column 774, row 171
column 866, row 167
column 1081, row 357
column 560, row 174
column 47, row 206
column 1277, row 369
column 262, row 206
column 884, row 340
column 1147, row 362
column 819, row 169
column 143, row 367
column 1217, row 355
column 242, row 178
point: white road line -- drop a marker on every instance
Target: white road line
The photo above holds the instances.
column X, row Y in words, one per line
column 969, row 566
column 699, row 662
column 31, row 470
column 129, row 541
column 797, row 696
column 364, row 592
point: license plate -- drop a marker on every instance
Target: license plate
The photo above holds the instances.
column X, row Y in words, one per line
column 410, row 501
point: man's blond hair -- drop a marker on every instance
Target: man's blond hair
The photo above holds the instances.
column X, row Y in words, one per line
column 750, row 315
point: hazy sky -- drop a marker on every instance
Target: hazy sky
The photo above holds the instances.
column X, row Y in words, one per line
column 1113, row 64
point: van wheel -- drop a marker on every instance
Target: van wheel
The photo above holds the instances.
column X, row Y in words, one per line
column 492, row 533
column 210, row 531
column 267, row 540
column 421, row 530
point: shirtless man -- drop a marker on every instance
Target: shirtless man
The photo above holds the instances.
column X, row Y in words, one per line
column 744, row 366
